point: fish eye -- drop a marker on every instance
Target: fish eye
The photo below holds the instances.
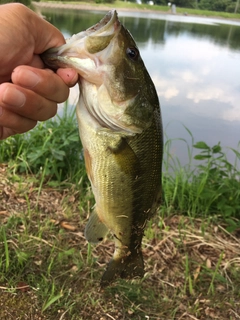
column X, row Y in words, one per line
column 132, row 53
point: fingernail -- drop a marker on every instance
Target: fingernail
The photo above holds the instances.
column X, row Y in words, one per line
column 30, row 79
column 13, row 97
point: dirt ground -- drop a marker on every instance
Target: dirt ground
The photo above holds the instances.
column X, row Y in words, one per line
column 192, row 266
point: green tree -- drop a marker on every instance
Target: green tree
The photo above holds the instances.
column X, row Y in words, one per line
column 104, row 1
column 161, row 2
column 204, row 5
column 218, row 5
column 26, row 2
column 185, row 3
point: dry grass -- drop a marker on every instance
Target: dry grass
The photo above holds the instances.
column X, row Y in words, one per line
column 48, row 271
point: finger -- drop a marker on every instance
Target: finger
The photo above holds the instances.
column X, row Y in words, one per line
column 26, row 103
column 6, row 132
column 12, row 123
column 68, row 75
column 42, row 81
column 36, row 62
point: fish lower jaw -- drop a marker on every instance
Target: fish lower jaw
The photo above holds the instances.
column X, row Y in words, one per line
column 85, row 66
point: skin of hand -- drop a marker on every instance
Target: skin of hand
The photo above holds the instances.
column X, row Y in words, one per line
column 28, row 91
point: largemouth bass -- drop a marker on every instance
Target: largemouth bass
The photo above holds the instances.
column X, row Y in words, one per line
column 121, row 132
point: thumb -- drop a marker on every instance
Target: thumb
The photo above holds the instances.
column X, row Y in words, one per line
column 45, row 35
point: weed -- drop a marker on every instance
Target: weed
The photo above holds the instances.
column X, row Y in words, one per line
column 53, row 297
column 210, row 187
column 211, row 286
column 188, row 286
column 52, row 148
column 192, row 264
column 61, row 271
column 7, row 259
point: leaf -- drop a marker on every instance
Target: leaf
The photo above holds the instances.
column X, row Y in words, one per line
column 51, row 301
column 33, row 156
column 223, row 173
column 229, row 165
column 201, row 145
column 68, row 226
column 216, row 148
column 237, row 153
column 202, row 157
column 232, row 225
column 58, row 154
column 196, row 272
column 74, row 138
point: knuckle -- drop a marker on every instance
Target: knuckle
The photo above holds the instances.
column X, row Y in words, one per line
column 47, row 111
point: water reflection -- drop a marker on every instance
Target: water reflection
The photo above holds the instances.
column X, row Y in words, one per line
column 157, row 28
column 194, row 64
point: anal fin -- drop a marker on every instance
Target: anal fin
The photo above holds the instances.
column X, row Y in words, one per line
column 95, row 230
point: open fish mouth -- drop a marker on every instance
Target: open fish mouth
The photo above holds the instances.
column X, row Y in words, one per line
column 107, row 21
column 86, row 43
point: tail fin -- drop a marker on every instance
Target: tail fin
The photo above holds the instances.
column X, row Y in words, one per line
column 130, row 267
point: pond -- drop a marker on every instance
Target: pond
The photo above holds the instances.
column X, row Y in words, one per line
column 195, row 65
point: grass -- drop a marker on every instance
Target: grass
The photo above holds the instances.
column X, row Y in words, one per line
column 49, row 152
column 209, row 188
column 47, row 269
column 157, row 8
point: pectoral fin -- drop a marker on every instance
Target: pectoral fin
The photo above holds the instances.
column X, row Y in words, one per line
column 95, row 230
column 127, row 159
column 117, row 144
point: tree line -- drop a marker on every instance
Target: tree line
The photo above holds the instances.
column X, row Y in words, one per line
column 212, row 5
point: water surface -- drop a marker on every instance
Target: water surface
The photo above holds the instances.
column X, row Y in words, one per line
column 195, row 65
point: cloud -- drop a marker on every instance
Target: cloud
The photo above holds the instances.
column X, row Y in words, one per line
column 208, row 93
column 164, row 87
column 215, row 100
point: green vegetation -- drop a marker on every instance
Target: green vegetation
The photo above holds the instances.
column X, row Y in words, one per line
column 232, row 6
column 220, row 8
column 211, row 188
column 213, row 5
column 53, row 147
column 182, row 8
column 25, row 2
column 53, row 152
column 204, row 8
column 48, row 271
column 208, row 13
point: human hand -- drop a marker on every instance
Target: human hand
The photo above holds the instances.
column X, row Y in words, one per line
column 33, row 93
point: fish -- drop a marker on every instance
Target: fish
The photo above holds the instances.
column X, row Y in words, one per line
column 120, row 128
